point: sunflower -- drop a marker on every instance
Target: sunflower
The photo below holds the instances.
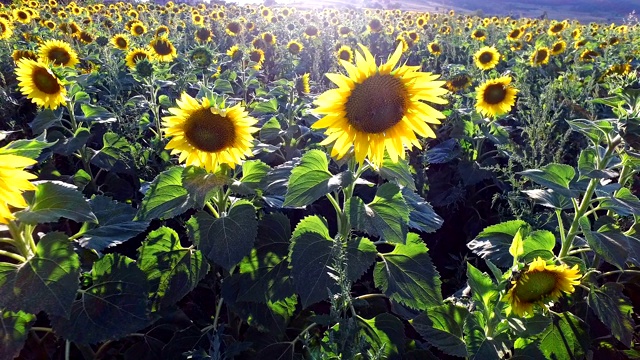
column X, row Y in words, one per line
column 203, row 35
column 479, row 35
column 59, row 53
column 234, row 53
column 135, row 55
column 40, row 84
column 295, row 47
column 486, row 58
column 556, row 29
column 515, row 34
column 344, row 31
column 16, row 55
column 21, row 15
column 302, row 85
column 311, row 32
column 495, row 97
column 201, row 57
column 6, row 30
column 207, row 136
column 345, row 53
column 540, row 284
column 458, row 82
column 516, row 45
column 138, row 29
column 378, row 108
column 163, row 49
column 558, row 48
column 268, row 38
column 375, row 26
column 589, row 55
column 13, row 181
column 540, row 57
column 233, row 28
column 257, row 56
column 85, row 37
column 434, row 48
column 162, row 30
column 120, row 41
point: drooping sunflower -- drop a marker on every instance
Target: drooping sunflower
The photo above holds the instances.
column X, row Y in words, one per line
column 201, row 57
column 458, row 82
column 540, row 57
column 6, row 30
column 495, row 97
column 136, row 55
column 540, row 284
column 162, row 30
column 378, row 108
column 163, row 49
column 302, row 85
column 233, row 28
column 486, row 58
column 40, row 84
column 295, row 47
column 85, row 37
column 345, row 53
column 435, row 48
column 203, row 35
column 375, row 25
column 120, row 41
column 59, row 53
column 234, row 53
column 558, row 47
column 257, row 56
column 16, row 55
column 206, row 136
column 589, row 55
column 13, row 181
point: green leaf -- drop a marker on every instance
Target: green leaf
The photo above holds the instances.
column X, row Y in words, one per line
column 116, row 154
column 539, row 243
column 95, row 113
column 270, row 131
column 442, row 327
column 46, row 282
column 112, row 307
column 310, row 180
column 588, row 165
column 311, row 257
column 223, row 86
column 165, row 101
column 68, row 145
column 53, row 200
column 254, row 173
column 201, row 184
column 361, row 253
column 265, row 107
column 421, row 214
column 14, row 329
column 479, row 346
column 384, row 332
column 566, row 338
column 483, row 288
column 46, row 119
column 494, row 241
column 398, row 172
column 265, row 273
column 554, row 176
column 408, row 276
column 594, row 130
column 624, row 203
column 611, row 245
column 115, row 222
column 172, row 270
column 387, row 216
column 166, row 197
column 30, row 148
column 227, row 239
column 614, row 310
column 549, row 198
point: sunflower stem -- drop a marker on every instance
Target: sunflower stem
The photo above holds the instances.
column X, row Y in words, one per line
column 20, row 243
column 13, row 256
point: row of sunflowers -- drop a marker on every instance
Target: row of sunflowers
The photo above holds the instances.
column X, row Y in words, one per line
column 254, row 182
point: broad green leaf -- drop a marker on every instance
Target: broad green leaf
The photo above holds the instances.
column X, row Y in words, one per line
column 596, row 131
column 115, row 224
column 265, row 107
column 361, row 253
column 384, row 332
column 201, row 184
column 444, row 152
column 254, row 173
column 311, row 257
column 223, row 86
column 116, row 154
column 53, row 200
column 166, row 197
column 96, row 114
column 265, row 273
column 421, row 214
column 588, row 163
column 227, row 239
column 549, row 198
column 614, row 309
column 30, row 148
column 46, row 282
column 68, row 145
column 554, row 176
column 398, row 172
column 311, row 180
column 270, row 130
column 479, row 346
column 566, row 338
column 113, row 306
column 46, row 119
column 494, row 241
column 483, row 288
column 624, row 203
column 172, row 270
column 14, row 329
column 442, row 327
column 387, row 216
column 408, row 276
column 611, row 245
column 539, row 243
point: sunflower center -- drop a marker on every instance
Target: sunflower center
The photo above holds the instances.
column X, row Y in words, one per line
column 162, row 47
column 494, row 94
column 59, row 56
column 121, row 42
column 45, row 82
column 557, row 47
column 541, row 55
column 537, row 285
column 377, row 104
column 485, row 57
column 209, row 132
column 345, row 55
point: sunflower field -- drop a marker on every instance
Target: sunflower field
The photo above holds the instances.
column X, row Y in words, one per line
column 222, row 181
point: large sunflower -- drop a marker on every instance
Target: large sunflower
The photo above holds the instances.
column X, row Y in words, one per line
column 163, row 49
column 495, row 97
column 207, row 136
column 378, row 108
column 40, row 84
column 135, row 55
column 540, row 284
column 59, row 53
column 486, row 58
column 13, row 181
column 257, row 56
column 540, row 57
column 5, row 29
